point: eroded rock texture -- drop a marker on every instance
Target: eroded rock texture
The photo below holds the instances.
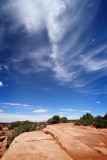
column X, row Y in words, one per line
column 60, row 142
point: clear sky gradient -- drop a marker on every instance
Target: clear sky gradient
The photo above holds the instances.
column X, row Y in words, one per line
column 53, row 59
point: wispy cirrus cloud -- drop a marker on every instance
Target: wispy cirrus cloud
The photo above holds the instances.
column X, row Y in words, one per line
column 40, row 111
column 16, row 104
column 63, row 113
column 66, row 53
column 68, row 109
column 73, row 110
column 86, row 111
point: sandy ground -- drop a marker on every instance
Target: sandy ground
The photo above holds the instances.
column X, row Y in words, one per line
column 60, row 142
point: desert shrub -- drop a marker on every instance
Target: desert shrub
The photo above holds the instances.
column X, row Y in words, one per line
column 18, row 124
column 88, row 119
column 55, row 119
column 77, row 123
column 97, row 122
column 64, row 120
column 105, row 116
column 85, row 123
column 100, row 122
column 25, row 126
column 41, row 125
column 85, row 120
column 44, row 124
column 0, row 128
column 49, row 121
column 105, row 123
column 14, row 124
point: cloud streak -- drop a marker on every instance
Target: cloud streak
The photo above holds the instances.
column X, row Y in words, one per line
column 40, row 111
column 67, row 54
column 73, row 110
column 16, row 104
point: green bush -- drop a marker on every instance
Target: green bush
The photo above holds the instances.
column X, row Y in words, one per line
column 77, row 123
column 49, row 121
column 44, row 124
column 100, row 122
column 105, row 117
column 22, row 127
column 14, row 124
column 64, row 120
column 88, row 119
column 55, row 119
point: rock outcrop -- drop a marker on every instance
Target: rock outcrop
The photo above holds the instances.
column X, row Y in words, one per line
column 3, row 140
column 60, row 142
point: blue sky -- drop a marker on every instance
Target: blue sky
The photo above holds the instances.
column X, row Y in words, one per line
column 53, row 59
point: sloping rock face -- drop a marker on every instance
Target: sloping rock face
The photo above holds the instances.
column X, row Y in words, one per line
column 60, row 142
column 82, row 143
column 35, row 146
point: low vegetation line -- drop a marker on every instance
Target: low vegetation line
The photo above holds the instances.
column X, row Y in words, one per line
column 88, row 119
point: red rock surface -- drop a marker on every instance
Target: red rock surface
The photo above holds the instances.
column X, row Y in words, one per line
column 3, row 140
column 60, row 142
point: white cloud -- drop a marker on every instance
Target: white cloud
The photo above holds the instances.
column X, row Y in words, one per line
column 67, row 56
column 40, row 111
column 98, row 102
column 86, row 111
column 73, row 117
column 16, row 104
column 73, row 110
column 90, row 63
column 1, row 110
column 1, row 84
column 12, row 104
column 4, row 117
column 63, row 113
column 39, row 14
column 68, row 110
